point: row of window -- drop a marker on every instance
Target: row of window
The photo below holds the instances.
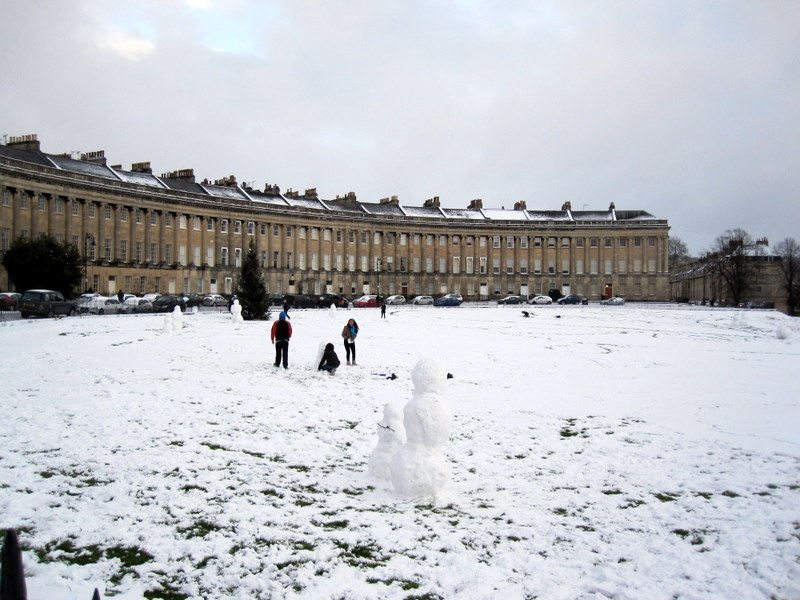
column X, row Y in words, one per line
column 328, row 234
column 387, row 264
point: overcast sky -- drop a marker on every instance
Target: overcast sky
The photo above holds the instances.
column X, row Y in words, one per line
column 689, row 110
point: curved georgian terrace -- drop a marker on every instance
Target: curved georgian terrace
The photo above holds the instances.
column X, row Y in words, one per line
column 171, row 234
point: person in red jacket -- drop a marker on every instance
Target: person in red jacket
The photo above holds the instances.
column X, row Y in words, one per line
column 280, row 336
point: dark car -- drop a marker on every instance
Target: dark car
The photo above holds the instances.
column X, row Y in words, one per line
column 573, row 299
column 193, row 300
column 45, row 303
column 168, row 303
column 336, row 299
column 276, row 299
column 301, row 301
column 9, row 300
column 511, row 300
column 448, row 300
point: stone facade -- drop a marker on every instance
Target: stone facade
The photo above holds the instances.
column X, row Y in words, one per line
column 170, row 234
column 700, row 282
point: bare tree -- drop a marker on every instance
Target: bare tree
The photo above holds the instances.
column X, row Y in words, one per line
column 736, row 265
column 789, row 252
column 678, row 252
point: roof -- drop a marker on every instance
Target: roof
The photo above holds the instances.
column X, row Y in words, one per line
column 312, row 202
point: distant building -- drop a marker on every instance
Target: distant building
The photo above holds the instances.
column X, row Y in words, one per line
column 170, row 234
column 702, row 282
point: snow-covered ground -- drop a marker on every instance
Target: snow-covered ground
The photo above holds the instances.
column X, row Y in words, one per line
column 597, row 452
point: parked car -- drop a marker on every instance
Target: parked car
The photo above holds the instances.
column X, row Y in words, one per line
column 422, row 300
column 168, row 303
column 103, row 305
column 366, row 301
column 573, row 299
column 540, row 300
column 395, row 299
column 325, row 301
column 192, row 299
column 215, row 300
column 301, row 301
column 511, row 300
column 9, row 300
column 615, row 301
column 276, row 299
column 448, row 300
column 151, row 297
column 45, row 303
column 136, row 305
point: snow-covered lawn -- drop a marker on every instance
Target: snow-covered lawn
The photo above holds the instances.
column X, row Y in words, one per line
column 597, row 452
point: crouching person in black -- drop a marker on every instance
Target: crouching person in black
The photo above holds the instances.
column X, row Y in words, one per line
column 329, row 360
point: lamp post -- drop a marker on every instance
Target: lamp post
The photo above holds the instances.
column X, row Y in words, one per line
column 88, row 242
column 378, row 263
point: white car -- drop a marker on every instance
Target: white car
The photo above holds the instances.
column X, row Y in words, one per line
column 396, row 299
column 540, row 300
column 101, row 305
column 421, row 300
column 136, row 305
column 215, row 300
column 615, row 301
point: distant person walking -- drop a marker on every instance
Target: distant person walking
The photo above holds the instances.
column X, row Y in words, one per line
column 286, row 306
column 280, row 336
column 330, row 361
column 383, row 310
column 120, row 296
column 349, row 333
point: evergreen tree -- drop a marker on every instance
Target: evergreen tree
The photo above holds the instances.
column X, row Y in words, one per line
column 45, row 263
column 250, row 290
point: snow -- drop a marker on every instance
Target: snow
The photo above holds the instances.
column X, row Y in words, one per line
column 596, row 452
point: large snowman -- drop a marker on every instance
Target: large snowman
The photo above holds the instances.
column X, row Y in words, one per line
column 418, row 467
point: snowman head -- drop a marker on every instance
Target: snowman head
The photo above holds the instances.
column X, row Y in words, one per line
column 429, row 375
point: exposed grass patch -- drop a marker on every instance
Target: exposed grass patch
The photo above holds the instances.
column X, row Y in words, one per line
column 614, row 492
column 706, row 495
column 254, row 454
column 300, row 468
column 211, row 446
column 200, row 528
column 404, row 583
column 730, row 494
column 693, row 536
column 168, row 591
column 632, row 503
column 667, row 497
column 272, row 492
column 342, row 524
column 189, row 487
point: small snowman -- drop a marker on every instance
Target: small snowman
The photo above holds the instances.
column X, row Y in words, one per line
column 419, row 467
column 177, row 318
column 391, row 436
column 236, row 312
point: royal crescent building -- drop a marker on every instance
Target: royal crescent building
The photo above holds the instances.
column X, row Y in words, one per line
column 144, row 233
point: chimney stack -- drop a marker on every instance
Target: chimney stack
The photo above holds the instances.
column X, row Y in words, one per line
column 28, row 143
column 142, row 167
column 182, row 174
column 475, row 204
column 521, row 205
column 432, row 202
column 567, row 205
column 97, row 157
